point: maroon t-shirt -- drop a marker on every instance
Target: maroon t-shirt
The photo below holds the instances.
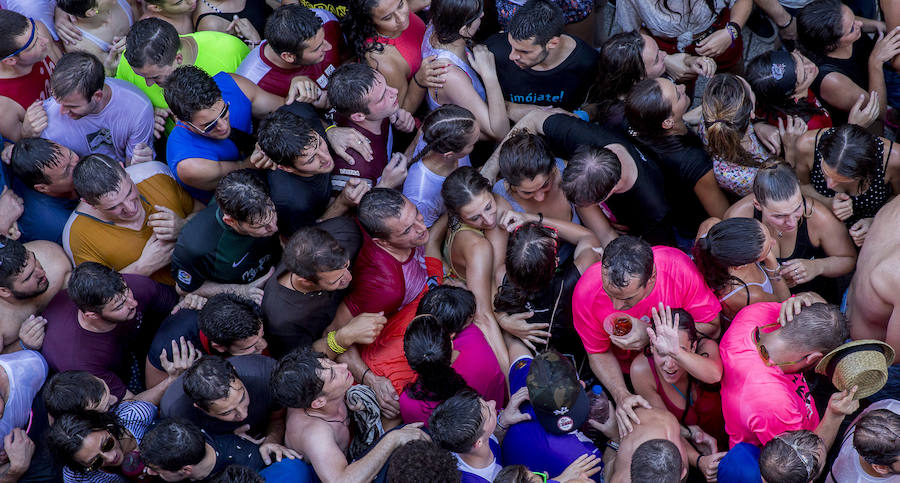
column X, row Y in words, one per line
column 68, row 346
column 382, row 146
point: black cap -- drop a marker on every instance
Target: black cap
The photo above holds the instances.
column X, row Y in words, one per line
column 556, row 395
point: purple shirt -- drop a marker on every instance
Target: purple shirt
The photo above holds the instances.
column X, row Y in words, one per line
column 68, row 346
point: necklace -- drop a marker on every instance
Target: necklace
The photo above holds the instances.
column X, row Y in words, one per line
column 213, row 7
column 291, row 278
column 341, row 421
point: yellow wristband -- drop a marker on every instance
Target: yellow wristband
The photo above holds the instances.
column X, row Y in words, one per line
column 333, row 345
column 329, row 127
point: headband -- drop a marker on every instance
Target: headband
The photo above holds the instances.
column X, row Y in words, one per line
column 784, row 72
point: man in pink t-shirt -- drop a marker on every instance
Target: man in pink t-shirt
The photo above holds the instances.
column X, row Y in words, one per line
column 634, row 278
column 763, row 391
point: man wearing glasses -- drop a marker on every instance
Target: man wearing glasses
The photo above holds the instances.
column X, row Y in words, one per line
column 764, row 353
column 213, row 134
column 27, row 57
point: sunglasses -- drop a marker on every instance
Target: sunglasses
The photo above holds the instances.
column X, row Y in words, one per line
column 544, row 476
column 764, row 353
column 97, row 461
column 27, row 44
column 212, row 125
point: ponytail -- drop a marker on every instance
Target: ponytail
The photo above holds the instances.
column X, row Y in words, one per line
column 726, row 110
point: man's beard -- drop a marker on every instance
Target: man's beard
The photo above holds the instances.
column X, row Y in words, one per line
column 27, row 295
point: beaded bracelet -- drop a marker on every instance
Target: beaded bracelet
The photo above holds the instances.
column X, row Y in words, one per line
column 333, row 345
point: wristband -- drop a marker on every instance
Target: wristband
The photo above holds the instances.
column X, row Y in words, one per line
column 24, row 347
column 333, row 345
column 697, row 463
column 329, row 127
column 612, row 445
column 734, row 30
column 788, row 24
column 417, row 83
column 363, row 379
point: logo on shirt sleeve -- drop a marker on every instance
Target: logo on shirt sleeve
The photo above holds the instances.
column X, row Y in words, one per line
column 184, row 277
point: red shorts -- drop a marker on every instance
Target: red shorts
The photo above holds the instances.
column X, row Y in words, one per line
column 385, row 356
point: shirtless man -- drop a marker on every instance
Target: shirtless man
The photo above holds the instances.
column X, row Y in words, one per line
column 176, row 12
column 27, row 58
column 655, row 425
column 873, row 294
column 30, row 276
column 312, row 388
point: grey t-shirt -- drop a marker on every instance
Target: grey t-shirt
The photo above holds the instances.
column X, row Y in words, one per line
column 846, row 467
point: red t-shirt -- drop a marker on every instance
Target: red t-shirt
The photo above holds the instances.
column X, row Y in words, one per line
column 760, row 402
column 30, row 87
column 678, row 285
column 271, row 78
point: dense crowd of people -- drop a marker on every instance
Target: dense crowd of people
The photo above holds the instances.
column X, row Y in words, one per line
column 449, row 241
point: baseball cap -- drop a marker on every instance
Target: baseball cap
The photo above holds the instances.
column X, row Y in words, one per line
column 559, row 402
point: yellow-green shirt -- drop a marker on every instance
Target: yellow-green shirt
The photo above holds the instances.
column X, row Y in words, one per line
column 216, row 52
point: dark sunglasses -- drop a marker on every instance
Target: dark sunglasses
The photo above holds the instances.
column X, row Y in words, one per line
column 97, row 461
column 212, row 125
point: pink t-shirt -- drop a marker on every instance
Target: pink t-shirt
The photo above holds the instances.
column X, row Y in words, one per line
column 678, row 285
column 477, row 365
column 760, row 402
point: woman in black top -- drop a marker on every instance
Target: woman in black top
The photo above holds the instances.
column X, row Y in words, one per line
column 812, row 246
column 654, row 110
column 849, row 65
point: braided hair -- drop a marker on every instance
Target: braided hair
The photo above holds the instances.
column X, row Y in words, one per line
column 446, row 129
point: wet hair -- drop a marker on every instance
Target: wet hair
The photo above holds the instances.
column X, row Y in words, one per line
column 775, row 181
column 627, row 257
column 461, row 186
column 726, row 111
column 771, row 98
column 791, row 457
column 208, row 380
column 378, row 205
column 513, row 474
column 524, row 156
column 77, row 8
column 31, row 156
column 295, row 381
column 819, row 28
column 71, row 391
column 452, row 307
column 151, row 41
column 852, row 152
column 312, row 250
column 173, row 444
column 428, row 350
column 530, row 266
column 457, row 422
column 819, row 327
column 66, row 435
column 243, row 196
column 448, row 17
column 621, row 66
column 283, row 135
column 591, row 175
column 238, row 474
column 348, row 87
column 190, row 90
column 290, row 27
column 227, row 318
column 446, row 129
column 359, row 28
column 92, row 286
column 97, row 175
column 13, row 258
column 729, row 243
column 418, row 461
column 656, row 461
column 79, row 72
column 540, row 20
column 12, row 25
column 877, row 437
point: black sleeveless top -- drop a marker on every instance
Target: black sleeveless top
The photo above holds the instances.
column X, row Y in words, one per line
column 865, row 204
column 256, row 11
column 856, row 68
column 805, row 250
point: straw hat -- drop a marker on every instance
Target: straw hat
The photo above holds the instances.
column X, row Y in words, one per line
column 861, row 363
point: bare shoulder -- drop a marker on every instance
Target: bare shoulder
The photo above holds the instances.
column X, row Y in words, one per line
column 742, row 209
